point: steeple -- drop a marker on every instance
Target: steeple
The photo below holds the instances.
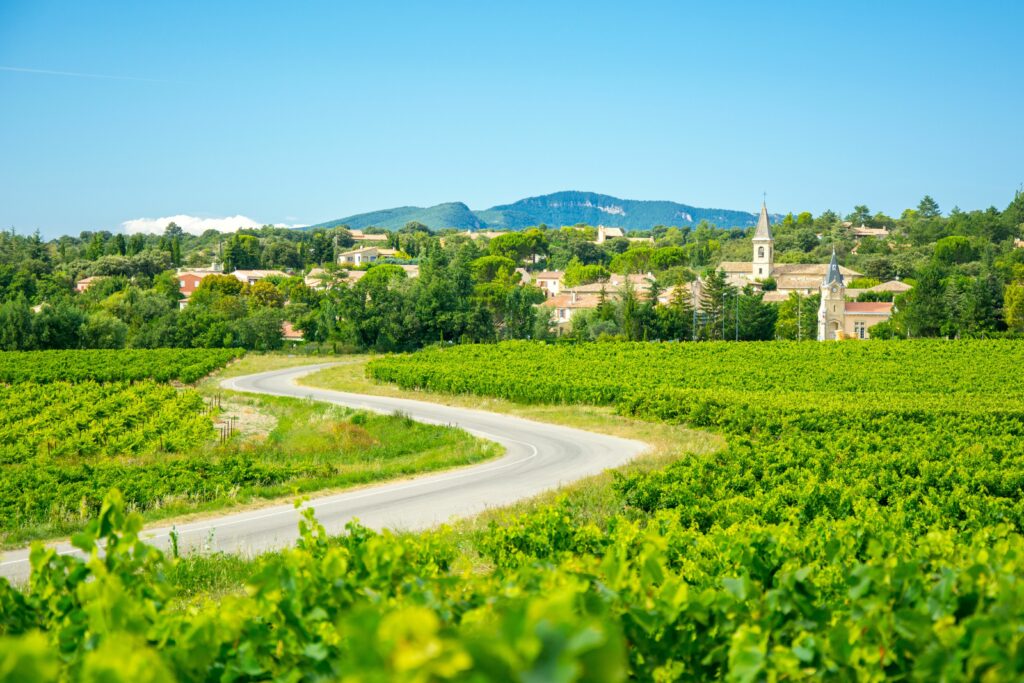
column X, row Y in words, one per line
column 764, row 248
column 763, row 230
column 833, row 274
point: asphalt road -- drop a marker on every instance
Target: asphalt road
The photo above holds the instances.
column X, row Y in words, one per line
column 538, row 457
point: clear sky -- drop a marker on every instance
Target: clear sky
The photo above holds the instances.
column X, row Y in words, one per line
column 296, row 113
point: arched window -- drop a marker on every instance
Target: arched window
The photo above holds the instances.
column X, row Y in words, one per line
column 760, row 252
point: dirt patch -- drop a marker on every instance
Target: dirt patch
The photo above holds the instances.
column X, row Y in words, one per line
column 249, row 422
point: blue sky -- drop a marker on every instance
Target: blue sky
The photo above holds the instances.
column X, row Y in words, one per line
column 296, row 113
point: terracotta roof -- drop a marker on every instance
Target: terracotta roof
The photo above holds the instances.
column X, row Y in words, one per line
column 489, row 234
column 818, row 269
column 891, row 286
column 616, row 281
column 869, row 307
column 566, row 301
column 549, row 275
column 245, row 274
column 775, row 296
column 360, row 250
column 865, row 231
column 288, row 331
column 736, row 266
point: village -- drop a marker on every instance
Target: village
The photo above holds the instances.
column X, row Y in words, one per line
column 840, row 315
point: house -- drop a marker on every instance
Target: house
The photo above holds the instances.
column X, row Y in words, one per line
column 360, row 236
column 567, row 302
column 85, row 283
column 641, row 283
column 188, row 282
column 289, row 332
column 1018, row 243
column 549, row 281
column 477, row 234
column 251, row 277
column 364, row 255
column 842, row 319
column 604, row 234
column 864, row 231
column 564, row 306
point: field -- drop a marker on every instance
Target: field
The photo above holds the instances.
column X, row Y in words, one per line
column 162, row 365
column 64, row 444
column 863, row 522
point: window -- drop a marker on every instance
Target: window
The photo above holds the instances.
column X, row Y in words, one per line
column 760, row 252
column 860, row 329
column 181, row 283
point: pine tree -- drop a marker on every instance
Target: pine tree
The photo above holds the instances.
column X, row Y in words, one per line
column 715, row 297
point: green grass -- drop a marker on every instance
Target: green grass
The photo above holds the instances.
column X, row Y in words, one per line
column 284, row 447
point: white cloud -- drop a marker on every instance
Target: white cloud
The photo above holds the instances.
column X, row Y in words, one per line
column 193, row 224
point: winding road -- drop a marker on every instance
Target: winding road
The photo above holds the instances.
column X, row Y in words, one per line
column 538, row 457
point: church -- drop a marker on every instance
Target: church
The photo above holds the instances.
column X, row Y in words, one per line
column 837, row 317
column 804, row 278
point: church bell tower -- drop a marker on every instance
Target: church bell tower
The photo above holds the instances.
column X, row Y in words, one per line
column 832, row 310
column 764, row 247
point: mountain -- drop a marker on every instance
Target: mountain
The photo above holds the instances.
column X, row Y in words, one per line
column 560, row 208
column 569, row 208
column 450, row 215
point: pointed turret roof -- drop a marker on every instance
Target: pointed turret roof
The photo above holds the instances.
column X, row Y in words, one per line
column 763, row 231
column 833, row 274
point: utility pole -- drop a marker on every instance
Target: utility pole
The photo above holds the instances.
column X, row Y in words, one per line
column 693, row 300
column 799, row 316
column 737, row 316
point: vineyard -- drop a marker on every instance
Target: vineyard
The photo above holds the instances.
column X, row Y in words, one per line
column 85, row 419
column 605, row 373
column 120, row 365
column 864, row 522
column 64, row 444
column 75, row 423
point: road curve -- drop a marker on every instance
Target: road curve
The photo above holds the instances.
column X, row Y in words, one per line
column 538, row 457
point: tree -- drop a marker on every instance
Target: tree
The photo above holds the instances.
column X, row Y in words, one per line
column 58, row 326
column 923, row 308
column 928, row 208
column 715, row 296
column 797, row 317
column 104, row 331
column 675, row 320
column 633, row 260
column 264, row 294
column 242, row 252
column 756, row 319
column 1013, row 307
column 221, row 284
column 576, row 273
column 487, row 268
column 955, row 249
column 668, row 257
column 16, row 325
column 860, row 216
